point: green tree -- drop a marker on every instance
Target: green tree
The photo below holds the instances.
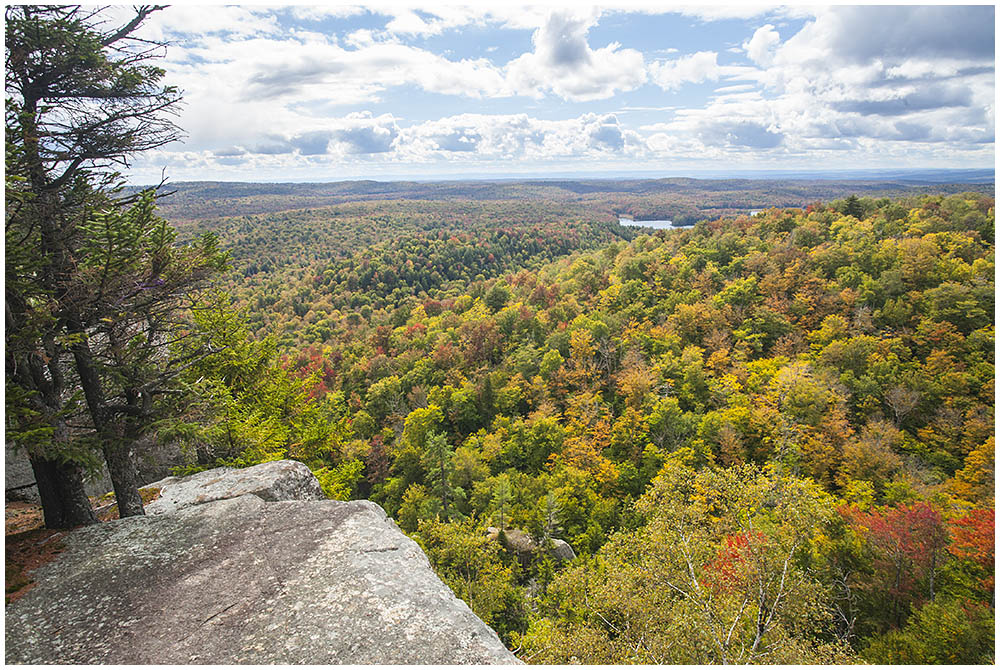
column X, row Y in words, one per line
column 438, row 462
column 946, row 631
column 501, row 499
column 39, row 406
column 497, row 297
column 81, row 98
column 551, row 518
column 852, row 207
column 719, row 574
column 137, row 290
column 471, row 563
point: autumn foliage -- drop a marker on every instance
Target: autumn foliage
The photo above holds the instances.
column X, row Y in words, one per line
column 824, row 376
column 974, row 539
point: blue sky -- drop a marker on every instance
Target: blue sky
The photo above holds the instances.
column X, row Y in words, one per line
column 380, row 91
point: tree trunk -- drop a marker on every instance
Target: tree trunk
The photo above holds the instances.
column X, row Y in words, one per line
column 60, row 487
column 125, row 478
column 60, row 482
column 116, row 446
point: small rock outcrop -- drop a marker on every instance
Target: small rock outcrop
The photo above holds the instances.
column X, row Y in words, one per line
column 562, row 551
column 271, row 482
column 520, row 543
column 241, row 580
column 19, row 480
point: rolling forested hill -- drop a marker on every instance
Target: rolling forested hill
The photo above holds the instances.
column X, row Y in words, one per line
column 762, row 434
column 683, row 200
column 766, row 438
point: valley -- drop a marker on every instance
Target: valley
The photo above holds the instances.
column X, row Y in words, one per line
column 532, row 365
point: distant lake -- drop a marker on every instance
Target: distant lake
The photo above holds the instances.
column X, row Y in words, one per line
column 660, row 225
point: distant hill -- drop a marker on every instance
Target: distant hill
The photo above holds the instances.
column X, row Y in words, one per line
column 682, row 199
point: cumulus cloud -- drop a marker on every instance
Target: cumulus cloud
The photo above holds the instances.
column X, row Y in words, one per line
column 458, row 140
column 518, row 137
column 608, row 136
column 696, row 68
column 739, row 134
column 919, row 99
column 312, row 143
column 360, row 38
column 368, row 69
column 861, row 73
column 873, row 81
column 760, row 48
column 504, row 137
column 410, row 23
column 864, row 33
column 363, row 64
column 354, row 134
column 364, row 134
column 201, row 20
column 890, row 36
column 230, row 152
column 564, row 63
column 288, row 78
column 272, row 146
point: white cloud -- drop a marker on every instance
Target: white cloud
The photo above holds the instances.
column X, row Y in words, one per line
column 360, row 38
column 693, row 69
column 409, row 23
column 738, row 88
column 519, row 17
column 192, row 21
column 363, row 133
column 849, row 80
column 328, row 11
column 439, row 18
column 379, row 140
column 872, row 83
column 564, row 63
column 300, row 67
column 311, row 69
column 760, row 48
column 519, row 137
column 713, row 12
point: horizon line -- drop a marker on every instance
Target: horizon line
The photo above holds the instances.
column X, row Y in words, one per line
column 861, row 174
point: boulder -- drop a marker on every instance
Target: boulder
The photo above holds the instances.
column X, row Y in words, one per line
column 271, row 482
column 241, row 580
column 19, row 478
column 562, row 551
column 155, row 459
column 518, row 542
column 521, row 544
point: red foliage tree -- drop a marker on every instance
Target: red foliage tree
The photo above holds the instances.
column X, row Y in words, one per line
column 727, row 572
column 973, row 539
column 906, row 541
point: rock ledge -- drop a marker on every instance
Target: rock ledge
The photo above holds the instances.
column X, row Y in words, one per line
column 241, row 580
column 271, row 482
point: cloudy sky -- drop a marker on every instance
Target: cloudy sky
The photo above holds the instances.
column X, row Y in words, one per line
column 303, row 93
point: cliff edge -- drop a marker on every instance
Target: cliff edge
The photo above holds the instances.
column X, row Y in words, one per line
column 242, row 580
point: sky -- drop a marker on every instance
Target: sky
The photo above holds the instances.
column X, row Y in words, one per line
column 394, row 91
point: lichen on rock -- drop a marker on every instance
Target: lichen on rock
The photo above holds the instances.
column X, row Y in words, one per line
column 241, row 580
column 271, row 482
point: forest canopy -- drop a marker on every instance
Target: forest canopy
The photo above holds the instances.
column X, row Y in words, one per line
column 766, row 438
column 763, row 437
